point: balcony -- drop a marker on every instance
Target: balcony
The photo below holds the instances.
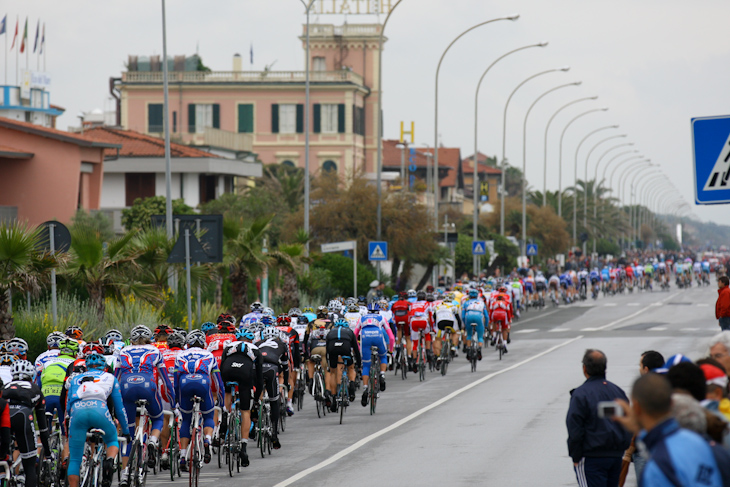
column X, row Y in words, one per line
column 213, row 77
column 226, row 140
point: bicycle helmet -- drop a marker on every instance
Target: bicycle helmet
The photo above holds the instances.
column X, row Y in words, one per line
column 353, row 308
column 95, row 361
column 114, row 335
column 334, row 304
column 283, row 320
column 140, row 332
column 75, row 332
column 303, row 320
column 196, row 338
column 350, row 301
column 208, row 327
column 268, row 312
column 8, row 359
column 383, row 305
column 92, row 347
column 225, row 317
column 257, row 307
column 373, row 307
column 266, row 321
column 430, row 297
column 270, row 332
column 54, row 338
column 403, row 295
column 17, row 346
column 68, row 346
column 502, row 289
column 226, row 327
column 342, row 322
column 245, row 334
column 181, row 331
column 308, row 309
column 322, row 310
column 163, row 329
column 473, row 293
column 22, row 370
column 412, row 293
column 421, row 296
column 361, row 300
column 294, row 312
column 176, row 340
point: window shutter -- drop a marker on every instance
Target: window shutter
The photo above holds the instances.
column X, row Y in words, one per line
column 245, row 119
column 300, row 118
column 317, row 118
column 154, row 118
column 191, row 118
column 274, row 118
column 216, row 116
column 341, row 118
column 174, row 122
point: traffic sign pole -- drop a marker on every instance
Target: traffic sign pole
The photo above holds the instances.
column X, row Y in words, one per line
column 187, row 276
column 54, row 303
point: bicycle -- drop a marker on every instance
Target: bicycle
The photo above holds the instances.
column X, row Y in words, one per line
column 49, row 471
column 233, row 432
column 374, row 378
column 445, row 350
column 421, row 356
column 93, row 460
column 343, row 394
column 8, row 479
column 265, row 430
column 401, row 359
column 137, row 463
column 173, row 445
column 499, row 341
column 283, row 394
column 300, row 386
column 196, row 443
column 474, row 348
column 318, row 389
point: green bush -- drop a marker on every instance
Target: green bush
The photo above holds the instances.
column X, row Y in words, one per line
column 139, row 215
column 340, row 270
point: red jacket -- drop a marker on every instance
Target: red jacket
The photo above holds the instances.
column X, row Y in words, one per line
column 722, row 306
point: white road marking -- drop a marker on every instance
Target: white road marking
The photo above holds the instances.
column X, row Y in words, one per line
column 607, row 304
column 690, row 329
column 621, row 320
column 702, row 304
column 543, row 315
column 658, row 328
column 556, row 330
column 356, row 446
column 589, row 329
column 529, row 330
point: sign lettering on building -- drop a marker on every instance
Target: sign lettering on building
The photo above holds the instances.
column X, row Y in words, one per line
column 354, row 7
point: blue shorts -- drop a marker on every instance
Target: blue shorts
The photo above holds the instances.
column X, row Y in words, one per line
column 195, row 385
column 473, row 317
column 528, row 287
column 84, row 416
column 372, row 336
column 141, row 386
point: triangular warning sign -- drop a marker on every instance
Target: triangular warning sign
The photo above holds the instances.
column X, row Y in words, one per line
column 720, row 175
column 478, row 249
column 377, row 253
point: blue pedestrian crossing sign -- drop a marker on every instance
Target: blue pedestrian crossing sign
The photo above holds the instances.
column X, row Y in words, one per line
column 711, row 152
column 378, row 251
column 479, row 247
column 531, row 250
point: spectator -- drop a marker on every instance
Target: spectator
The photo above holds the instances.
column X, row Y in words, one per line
column 716, row 399
column 677, row 457
column 595, row 444
column 722, row 306
column 720, row 349
column 373, row 292
column 649, row 361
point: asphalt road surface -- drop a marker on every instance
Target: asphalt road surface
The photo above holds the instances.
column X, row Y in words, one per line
column 502, row 425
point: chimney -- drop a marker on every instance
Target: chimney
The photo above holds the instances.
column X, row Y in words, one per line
column 237, row 63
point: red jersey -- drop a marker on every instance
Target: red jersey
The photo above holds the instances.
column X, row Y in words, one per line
column 401, row 310
column 161, row 346
column 169, row 355
column 500, row 308
column 217, row 342
column 419, row 312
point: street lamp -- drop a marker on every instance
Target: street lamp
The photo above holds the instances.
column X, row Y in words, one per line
column 308, row 8
column 436, row 106
column 585, row 182
column 633, row 214
column 620, row 189
column 504, row 140
column 547, row 127
column 166, row 123
column 476, row 140
column 524, row 161
column 560, row 159
column 595, row 183
column 379, row 135
column 621, row 174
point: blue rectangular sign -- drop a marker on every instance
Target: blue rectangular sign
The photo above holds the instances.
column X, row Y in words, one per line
column 479, row 247
column 531, row 249
column 711, row 153
column 378, row 251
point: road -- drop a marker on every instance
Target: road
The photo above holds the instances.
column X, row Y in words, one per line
column 502, row 425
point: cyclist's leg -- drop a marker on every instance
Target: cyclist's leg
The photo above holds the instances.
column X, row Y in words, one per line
column 21, row 423
column 367, row 340
column 271, row 384
column 79, row 424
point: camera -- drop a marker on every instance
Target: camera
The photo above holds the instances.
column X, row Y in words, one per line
column 609, row 409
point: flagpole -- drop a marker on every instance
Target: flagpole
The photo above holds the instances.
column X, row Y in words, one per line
column 17, row 20
column 5, row 53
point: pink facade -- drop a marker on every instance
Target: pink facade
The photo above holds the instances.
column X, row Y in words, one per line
column 48, row 174
column 266, row 109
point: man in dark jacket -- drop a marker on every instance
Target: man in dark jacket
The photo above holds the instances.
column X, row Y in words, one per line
column 595, row 444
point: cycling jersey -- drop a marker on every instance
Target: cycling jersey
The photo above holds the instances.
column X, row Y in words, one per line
column 292, row 341
column 51, row 382
column 250, row 319
column 197, row 374
column 352, row 319
column 474, row 311
column 217, row 341
column 42, row 360
column 372, row 330
column 242, row 363
column 595, row 276
column 400, row 310
column 341, row 342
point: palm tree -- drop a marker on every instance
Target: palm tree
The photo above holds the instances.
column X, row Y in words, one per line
column 22, row 267
column 286, row 181
column 288, row 259
column 106, row 268
column 244, row 257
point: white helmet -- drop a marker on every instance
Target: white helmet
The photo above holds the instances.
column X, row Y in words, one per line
column 140, row 332
column 22, row 370
column 270, row 332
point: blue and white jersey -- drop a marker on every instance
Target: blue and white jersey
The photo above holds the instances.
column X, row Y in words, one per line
column 371, row 319
column 595, row 275
column 705, row 266
column 140, row 359
column 249, row 319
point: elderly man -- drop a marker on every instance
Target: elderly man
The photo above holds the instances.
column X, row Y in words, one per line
column 720, row 349
column 595, row 444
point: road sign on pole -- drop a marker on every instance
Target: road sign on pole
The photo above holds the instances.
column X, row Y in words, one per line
column 340, row 247
column 378, row 251
column 479, row 247
column 711, row 153
column 54, row 237
column 531, row 250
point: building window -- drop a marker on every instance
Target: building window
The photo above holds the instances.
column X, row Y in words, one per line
column 208, row 188
column 288, row 163
column 358, row 120
column 287, row 119
column 174, row 122
column 319, row 64
column 329, row 118
column 154, row 118
column 245, row 119
column 201, row 117
column 329, row 166
column 138, row 185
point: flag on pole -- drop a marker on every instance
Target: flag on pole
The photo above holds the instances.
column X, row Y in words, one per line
column 25, row 37
column 37, row 32
column 16, row 34
column 2, row 25
column 43, row 38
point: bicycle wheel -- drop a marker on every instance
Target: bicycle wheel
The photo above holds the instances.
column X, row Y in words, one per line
column 174, row 454
column 282, row 412
column 473, row 356
column 501, row 348
column 133, row 465
column 86, row 471
column 341, row 399
column 319, row 393
column 403, row 365
column 228, row 445
column 262, row 428
column 374, row 389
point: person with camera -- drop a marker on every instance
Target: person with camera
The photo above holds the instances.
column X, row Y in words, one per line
column 596, row 444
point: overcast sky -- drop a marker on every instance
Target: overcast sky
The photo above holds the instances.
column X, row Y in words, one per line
column 654, row 63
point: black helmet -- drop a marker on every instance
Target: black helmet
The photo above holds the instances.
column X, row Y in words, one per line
column 421, row 296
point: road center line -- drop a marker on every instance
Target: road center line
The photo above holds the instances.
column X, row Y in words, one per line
column 637, row 313
column 398, row 424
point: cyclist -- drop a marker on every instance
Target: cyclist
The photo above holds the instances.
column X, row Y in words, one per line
column 76, row 333
column 115, row 339
column 25, row 398
column 53, row 375
column 315, row 343
column 529, row 283
column 648, row 274
column 242, row 363
column 566, row 284
column 257, row 311
column 583, row 282
column 142, row 374
column 372, row 330
column 352, row 315
column 283, row 324
column 420, row 320
column 500, row 314
column 18, row 347
column 401, row 310
column 216, row 342
column 474, row 311
column 6, row 365
column 540, row 284
column 160, row 335
column 208, row 328
column 196, row 374
column 86, row 401
column 341, row 342
column 52, row 340
column 553, row 287
column 175, row 345
column 446, row 316
column 275, row 359
column 5, row 427
column 516, row 292
column 309, row 314
column 595, row 278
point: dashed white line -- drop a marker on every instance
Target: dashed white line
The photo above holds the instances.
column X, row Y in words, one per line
column 558, row 330
column 529, row 330
column 658, row 328
column 637, row 313
column 690, row 329
column 702, row 304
